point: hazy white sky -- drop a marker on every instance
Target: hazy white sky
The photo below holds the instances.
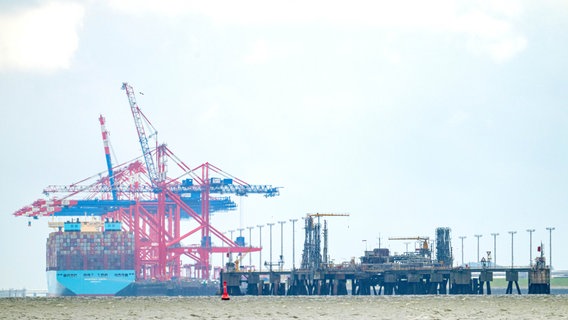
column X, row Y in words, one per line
column 408, row 115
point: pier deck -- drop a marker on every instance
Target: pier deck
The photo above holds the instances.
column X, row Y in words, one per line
column 383, row 280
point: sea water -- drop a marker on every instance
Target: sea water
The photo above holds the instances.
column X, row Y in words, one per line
column 298, row 307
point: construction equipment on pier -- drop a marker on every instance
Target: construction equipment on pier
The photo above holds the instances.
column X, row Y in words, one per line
column 423, row 247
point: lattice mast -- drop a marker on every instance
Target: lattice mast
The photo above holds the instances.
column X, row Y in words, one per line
column 138, row 116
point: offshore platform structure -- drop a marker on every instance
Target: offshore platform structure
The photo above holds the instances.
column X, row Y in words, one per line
column 307, row 279
column 312, row 257
column 151, row 205
column 444, row 246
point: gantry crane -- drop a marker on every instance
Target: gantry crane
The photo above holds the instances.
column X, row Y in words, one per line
column 207, row 185
column 152, row 207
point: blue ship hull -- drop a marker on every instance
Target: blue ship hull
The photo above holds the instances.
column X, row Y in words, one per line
column 88, row 282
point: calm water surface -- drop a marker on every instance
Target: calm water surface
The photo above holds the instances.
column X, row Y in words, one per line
column 248, row 307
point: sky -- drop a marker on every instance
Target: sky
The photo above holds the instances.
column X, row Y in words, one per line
column 407, row 115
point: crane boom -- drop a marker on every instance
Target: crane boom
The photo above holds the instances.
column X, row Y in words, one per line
column 328, row 214
column 107, row 155
column 423, row 240
column 137, row 114
column 267, row 190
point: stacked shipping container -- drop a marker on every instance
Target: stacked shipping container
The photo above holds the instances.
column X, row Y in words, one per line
column 90, row 250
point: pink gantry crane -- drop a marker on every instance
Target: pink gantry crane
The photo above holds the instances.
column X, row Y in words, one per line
column 151, row 205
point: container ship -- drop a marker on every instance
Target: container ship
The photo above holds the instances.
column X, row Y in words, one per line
column 89, row 258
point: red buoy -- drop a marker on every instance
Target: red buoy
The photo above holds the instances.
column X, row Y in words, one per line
column 225, row 295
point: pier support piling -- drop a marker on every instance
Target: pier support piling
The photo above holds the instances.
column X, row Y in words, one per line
column 539, row 281
column 485, row 278
column 512, row 277
column 460, row 281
